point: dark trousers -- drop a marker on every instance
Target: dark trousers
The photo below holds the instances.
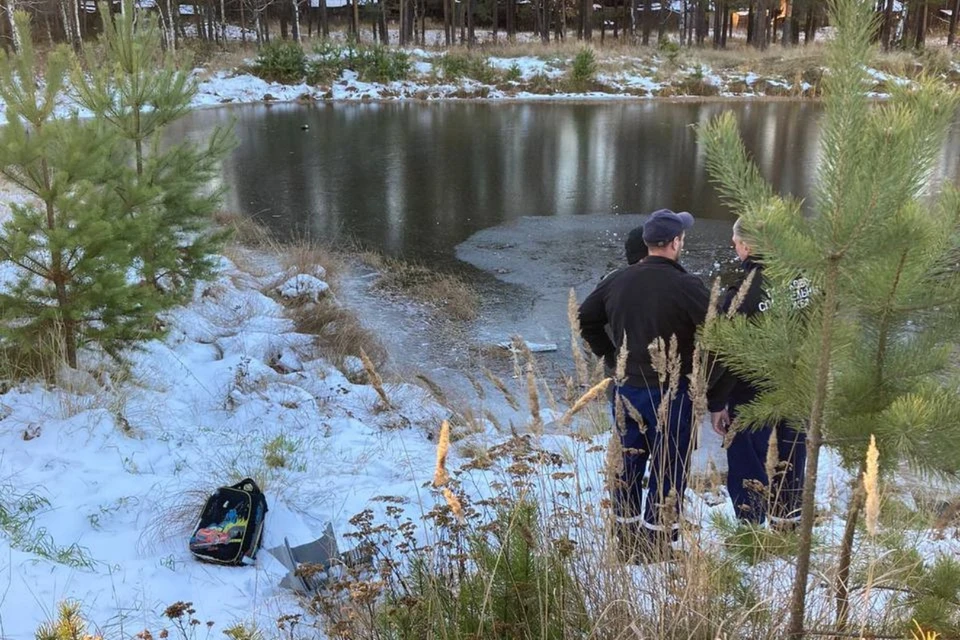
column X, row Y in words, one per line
column 667, row 449
column 754, row 497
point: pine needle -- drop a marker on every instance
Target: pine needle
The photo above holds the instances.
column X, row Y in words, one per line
column 870, row 485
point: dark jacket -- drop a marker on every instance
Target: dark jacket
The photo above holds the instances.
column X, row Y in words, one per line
column 728, row 387
column 655, row 298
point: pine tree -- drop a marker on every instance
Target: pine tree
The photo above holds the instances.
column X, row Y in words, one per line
column 133, row 84
column 870, row 355
column 68, row 265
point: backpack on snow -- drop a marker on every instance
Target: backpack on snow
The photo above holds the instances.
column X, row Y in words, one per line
column 230, row 528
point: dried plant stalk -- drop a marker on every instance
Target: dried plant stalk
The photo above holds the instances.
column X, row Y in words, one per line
column 871, row 486
column 579, row 361
column 621, row 369
column 773, row 458
column 741, row 294
column 592, row 394
column 454, row 503
column 536, row 424
column 374, row 377
column 614, row 466
column 502, row 388
column 634, row 414
column 440, row 475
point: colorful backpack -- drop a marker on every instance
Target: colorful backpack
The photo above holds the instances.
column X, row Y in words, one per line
column 230, row 528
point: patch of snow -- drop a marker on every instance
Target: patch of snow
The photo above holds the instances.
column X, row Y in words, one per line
column 225, row 88
column 303, row 286
column 880, row 76
column 528, row 65
column 422, row 68
column 233, row 31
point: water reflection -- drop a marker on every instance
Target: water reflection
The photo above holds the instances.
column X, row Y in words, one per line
column 416, row 180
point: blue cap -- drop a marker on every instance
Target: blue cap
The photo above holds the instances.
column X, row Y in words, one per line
column 665, row 225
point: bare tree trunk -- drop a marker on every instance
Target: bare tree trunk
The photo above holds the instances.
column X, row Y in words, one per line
column 496, row 19
column 662, row 25
column 67, row 27
column 446, row 22
column 647, row 21
column 75, row 6
column 846, row 550
column 952, row 33
column 798, row 598
column 295, row 27
column 243, row 22
column 511, row 20
column 787, row 37
column 727, row 26
column 223, row 21
column 11, row 7
column 356, row 21
column 921, row 25
column 471, row 32
column 382, row 24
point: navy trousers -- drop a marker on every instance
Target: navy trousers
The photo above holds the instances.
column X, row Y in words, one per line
column 747, row 480
column 667, row 449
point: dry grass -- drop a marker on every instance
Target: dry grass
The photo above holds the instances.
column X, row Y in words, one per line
column 446, row 292
column 212, row 57
column 304, row 255
column 339, row 332
column 245, row 231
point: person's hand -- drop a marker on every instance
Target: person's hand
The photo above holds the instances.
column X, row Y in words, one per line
column 721, row 422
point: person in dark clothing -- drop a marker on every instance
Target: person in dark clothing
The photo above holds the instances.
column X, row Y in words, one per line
column 635, row 250
column 650, row 300
column 756, row 497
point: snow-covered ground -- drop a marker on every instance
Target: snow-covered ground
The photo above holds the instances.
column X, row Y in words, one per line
column 108, row 471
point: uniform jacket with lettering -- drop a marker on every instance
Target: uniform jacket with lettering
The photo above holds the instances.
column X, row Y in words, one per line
column 730, row 388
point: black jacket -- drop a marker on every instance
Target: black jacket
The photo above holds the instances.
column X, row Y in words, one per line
column 728, row 387
column 653, row 298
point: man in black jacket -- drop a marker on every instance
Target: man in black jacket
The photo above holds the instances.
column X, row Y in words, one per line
column 653, row 299
column 754, row 498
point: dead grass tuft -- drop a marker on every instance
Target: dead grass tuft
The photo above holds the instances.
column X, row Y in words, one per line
column 339, row 332
column 246, row 231
column 305, row 255
column 446, row 292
